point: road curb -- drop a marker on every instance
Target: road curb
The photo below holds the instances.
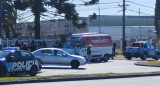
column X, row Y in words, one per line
column 77, row 79
column 146, row 65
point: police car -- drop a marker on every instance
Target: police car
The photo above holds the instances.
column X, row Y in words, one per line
column 18, row 61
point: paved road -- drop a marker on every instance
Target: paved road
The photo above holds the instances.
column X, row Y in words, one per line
column 140, row 81
column 112, row 66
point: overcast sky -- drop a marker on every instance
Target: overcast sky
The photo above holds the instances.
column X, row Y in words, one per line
column 106, row 7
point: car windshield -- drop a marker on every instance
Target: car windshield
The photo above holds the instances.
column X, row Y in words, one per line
column 137, row 45
column 4, row 54
column 70, row 44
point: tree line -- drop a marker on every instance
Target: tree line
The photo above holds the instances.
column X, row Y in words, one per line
column 38, row 7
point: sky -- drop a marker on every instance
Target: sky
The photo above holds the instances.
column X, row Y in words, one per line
column 105, row 7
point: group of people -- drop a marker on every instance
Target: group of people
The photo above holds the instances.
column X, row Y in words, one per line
column 31, row 47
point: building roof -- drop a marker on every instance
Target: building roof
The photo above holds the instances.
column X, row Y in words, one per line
column 109, row 20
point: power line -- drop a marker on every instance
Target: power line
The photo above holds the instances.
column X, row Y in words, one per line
column 100, row 3
column 97, row 9
column 26, row 19
column 140, row 12
column 23, row 13
column 27, row 16
column 140, row 4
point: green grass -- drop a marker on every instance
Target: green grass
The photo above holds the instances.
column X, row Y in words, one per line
column 24, row 78
column 17, row 78
column 154, row 63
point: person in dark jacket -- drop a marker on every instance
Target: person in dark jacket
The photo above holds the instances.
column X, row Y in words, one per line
column 44, row 45
column 39, row 44
column 17, row 44
column 89, row 53
column 33, row 46
column 24, row 46
column 114, row 50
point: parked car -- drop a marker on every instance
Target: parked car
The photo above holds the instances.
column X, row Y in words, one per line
column 59, row 57
column 18, row 61
column 142, row 49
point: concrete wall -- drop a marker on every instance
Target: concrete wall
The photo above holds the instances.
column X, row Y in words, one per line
column 131, row 31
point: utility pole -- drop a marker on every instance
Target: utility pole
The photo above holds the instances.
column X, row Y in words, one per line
column 99, row 21
column 0, row 24
column 139, row 24
column 123, row 29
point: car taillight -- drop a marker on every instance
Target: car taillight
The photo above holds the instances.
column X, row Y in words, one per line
column 139, row 50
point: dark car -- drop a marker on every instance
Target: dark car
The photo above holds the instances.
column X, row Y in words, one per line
column 18, row 61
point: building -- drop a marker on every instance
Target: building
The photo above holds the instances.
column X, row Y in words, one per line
column 136, row 26
column 51, row 29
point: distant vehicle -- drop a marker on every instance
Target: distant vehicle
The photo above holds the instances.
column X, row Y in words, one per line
column 18, row 61
column 101, row 45
column 59, row 57
column 142, row 49
column 11, row 48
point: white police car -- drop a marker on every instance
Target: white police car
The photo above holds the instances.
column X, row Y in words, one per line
column 18, row 61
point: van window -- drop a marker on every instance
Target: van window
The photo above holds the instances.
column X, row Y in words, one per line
column 70, row 44
column 82, row 44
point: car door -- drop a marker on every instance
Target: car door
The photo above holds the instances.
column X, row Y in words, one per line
column 27, row 60
column 47, row 56
column 62, row 57
column 14, row 62
column 151, row 50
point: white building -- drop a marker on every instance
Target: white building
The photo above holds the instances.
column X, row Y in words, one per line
column 136, row 27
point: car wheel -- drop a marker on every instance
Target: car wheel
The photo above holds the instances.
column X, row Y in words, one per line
column 106, row 58
column 75, row 64
column 157, row 57
column 143, row 57
column 128, row 57
column 2, row 72
column 13, row 74
column 33, row 71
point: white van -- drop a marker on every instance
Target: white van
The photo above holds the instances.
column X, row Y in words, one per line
column 101, row 45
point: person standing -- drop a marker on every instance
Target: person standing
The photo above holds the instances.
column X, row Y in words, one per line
column 44, row 45
column 89, row 53
column 114, row 50
column 24, row 47
column 76, row 49
column 33, row 46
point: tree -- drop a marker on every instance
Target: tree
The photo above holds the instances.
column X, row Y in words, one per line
column 157, row 18
column 8, row 18
column 38, row 7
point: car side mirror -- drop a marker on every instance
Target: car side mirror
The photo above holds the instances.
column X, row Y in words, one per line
column 10, row 58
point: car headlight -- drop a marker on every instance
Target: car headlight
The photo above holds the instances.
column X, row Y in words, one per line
column 3, row 59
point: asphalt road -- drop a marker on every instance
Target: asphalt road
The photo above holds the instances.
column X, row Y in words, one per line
column 112, row 66
column 140, row 81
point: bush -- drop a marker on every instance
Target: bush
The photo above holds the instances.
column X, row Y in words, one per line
column 119, row 52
